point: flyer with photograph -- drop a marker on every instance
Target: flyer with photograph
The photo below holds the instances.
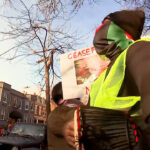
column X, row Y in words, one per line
column 79, row 69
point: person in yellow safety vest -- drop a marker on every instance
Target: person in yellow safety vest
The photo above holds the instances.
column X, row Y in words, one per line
column 125, row 84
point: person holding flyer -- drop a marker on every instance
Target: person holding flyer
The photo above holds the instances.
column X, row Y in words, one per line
column 57, row 119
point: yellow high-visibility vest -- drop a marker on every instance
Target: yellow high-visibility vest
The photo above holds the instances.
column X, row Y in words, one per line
column 104, row 91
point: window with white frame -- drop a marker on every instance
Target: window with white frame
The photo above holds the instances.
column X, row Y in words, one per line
column 26, row 105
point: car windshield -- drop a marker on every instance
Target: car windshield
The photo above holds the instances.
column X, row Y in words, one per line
column 29, row 129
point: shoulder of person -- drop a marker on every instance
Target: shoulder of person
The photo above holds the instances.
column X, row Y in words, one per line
column 138, row 49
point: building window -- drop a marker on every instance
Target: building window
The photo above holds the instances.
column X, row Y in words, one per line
column 9, row 100
column 38, row 99
column 40, row 110
column 15, row 101
column 26, row 105
column 36, row 110
column 43, row 114
column 3, row 113
column 43, row 101
column 19, row 101
column 20, row 104
column 32, row 106
column 5, row 97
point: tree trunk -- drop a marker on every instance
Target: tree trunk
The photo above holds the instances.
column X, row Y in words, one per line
column 47, row 90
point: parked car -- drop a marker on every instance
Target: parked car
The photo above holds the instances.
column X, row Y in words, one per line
column 25, row 136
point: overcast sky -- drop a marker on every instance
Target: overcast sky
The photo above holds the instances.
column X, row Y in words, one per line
column 19, row 74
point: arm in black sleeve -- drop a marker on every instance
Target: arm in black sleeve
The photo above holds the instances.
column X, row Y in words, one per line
column 138, row 67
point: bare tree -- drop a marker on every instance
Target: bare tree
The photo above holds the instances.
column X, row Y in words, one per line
column 38, row 29
column 138, row 4
column 77, row 4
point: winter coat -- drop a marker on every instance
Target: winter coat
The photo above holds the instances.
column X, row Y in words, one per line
column 56, row 122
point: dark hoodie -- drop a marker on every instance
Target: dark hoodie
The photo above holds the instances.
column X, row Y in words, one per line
column 114, row 36
column 117, row 33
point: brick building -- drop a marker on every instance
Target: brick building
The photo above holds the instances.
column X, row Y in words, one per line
column 37, row 95
column 31, row 106
column 10, row 100
column 39, row 104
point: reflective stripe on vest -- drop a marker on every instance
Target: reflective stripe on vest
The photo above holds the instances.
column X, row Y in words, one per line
column 104, row 91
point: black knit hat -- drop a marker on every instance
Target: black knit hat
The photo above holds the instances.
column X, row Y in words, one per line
column 131, row 21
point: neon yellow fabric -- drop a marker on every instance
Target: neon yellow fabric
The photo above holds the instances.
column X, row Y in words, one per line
column 104, row 91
